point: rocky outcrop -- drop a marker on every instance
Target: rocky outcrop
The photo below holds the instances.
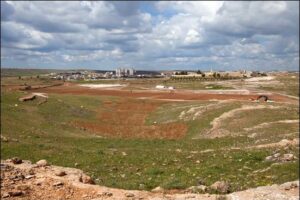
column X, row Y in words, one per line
column 45, row 181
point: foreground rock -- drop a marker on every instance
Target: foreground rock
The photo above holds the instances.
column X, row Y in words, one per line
column 29, row 181
column 42, row 163
column 221, row 187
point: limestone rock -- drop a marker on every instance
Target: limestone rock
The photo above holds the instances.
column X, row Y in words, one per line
column 128, row 194
column 60, row 173
column 221, row 186
column 86, row 179
column 158, row 189
column 42, row 163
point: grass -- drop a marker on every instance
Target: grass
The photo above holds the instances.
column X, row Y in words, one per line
column 289, row 84
column 46, row 132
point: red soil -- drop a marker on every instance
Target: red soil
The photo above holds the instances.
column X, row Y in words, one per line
column 183, row 95
column 126, row 119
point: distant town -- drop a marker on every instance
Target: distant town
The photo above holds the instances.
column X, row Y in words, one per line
column 130, row 72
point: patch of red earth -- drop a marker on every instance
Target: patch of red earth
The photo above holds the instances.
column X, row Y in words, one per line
column 126, row 119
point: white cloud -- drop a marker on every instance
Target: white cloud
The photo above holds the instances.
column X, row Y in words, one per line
column 180, row 34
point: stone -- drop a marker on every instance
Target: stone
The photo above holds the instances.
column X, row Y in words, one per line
column 60, row 173
column 128, row 194
column 86, row 179
column 269, row 158
column 197, row 189
column 31, row 171
column 109, row 194
column 42, row 163
column 284, row 142
column 288, row 157
column 29, row 176
column 23, row 187
column 39, row 182
column 58, row 183
column 290, row 185
column 221, row 186
column 200, row 181
column 276, row 155
column 15, row 193
column 158, row 189
column 16, row 160
column 5, row 195
column 4, row 139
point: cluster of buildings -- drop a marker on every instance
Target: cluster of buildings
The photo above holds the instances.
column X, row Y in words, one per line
column 94, row 75
column 80, row 75
column 217, row 74
column 128, row 72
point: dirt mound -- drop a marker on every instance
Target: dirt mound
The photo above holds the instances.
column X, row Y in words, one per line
column 32, row 181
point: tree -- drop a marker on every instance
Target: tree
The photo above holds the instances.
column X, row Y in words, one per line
column 199, row 72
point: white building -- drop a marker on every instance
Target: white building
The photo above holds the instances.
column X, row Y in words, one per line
column 123, row 72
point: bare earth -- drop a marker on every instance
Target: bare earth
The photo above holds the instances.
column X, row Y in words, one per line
column 169, row 95
column 31, row 181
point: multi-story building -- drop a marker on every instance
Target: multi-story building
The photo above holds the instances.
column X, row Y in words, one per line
column 125, row 72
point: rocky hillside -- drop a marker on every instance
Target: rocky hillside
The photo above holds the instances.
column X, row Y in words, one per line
column 42, row 181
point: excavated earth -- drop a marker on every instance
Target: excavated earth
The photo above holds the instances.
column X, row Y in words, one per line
column 37, row 182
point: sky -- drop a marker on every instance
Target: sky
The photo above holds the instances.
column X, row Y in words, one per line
column 151, row 35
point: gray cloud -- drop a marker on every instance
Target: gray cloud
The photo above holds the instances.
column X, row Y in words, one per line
column 6, row 11
column 107, row 34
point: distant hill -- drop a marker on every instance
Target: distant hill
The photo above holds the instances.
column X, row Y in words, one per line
column 8, row 72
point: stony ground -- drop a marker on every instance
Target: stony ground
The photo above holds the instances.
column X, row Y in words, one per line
column 21, row 179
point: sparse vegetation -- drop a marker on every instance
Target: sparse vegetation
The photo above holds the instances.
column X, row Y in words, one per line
column 47, row 131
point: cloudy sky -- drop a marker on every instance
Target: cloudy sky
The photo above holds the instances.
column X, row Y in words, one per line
column 151, row 35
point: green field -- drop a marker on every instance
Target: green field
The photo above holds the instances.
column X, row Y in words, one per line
column 45, row 131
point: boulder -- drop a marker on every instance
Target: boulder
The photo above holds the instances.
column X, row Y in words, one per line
column 42, row 163
column 276, row 155
column 109, row 194
column 16, row 160
column 4, row 139
column 290, row 185
column 284, row 142
column 15, row 193
column 58, row 183
column 158, row 189
column 221, row 187
column 269, row 158
column 197, row 189
column 86, row 179
column 60, row 173
column 129, row 194
column 288, row 157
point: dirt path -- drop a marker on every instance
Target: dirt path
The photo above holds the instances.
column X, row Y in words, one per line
column 266, row 124
column 216, row 130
